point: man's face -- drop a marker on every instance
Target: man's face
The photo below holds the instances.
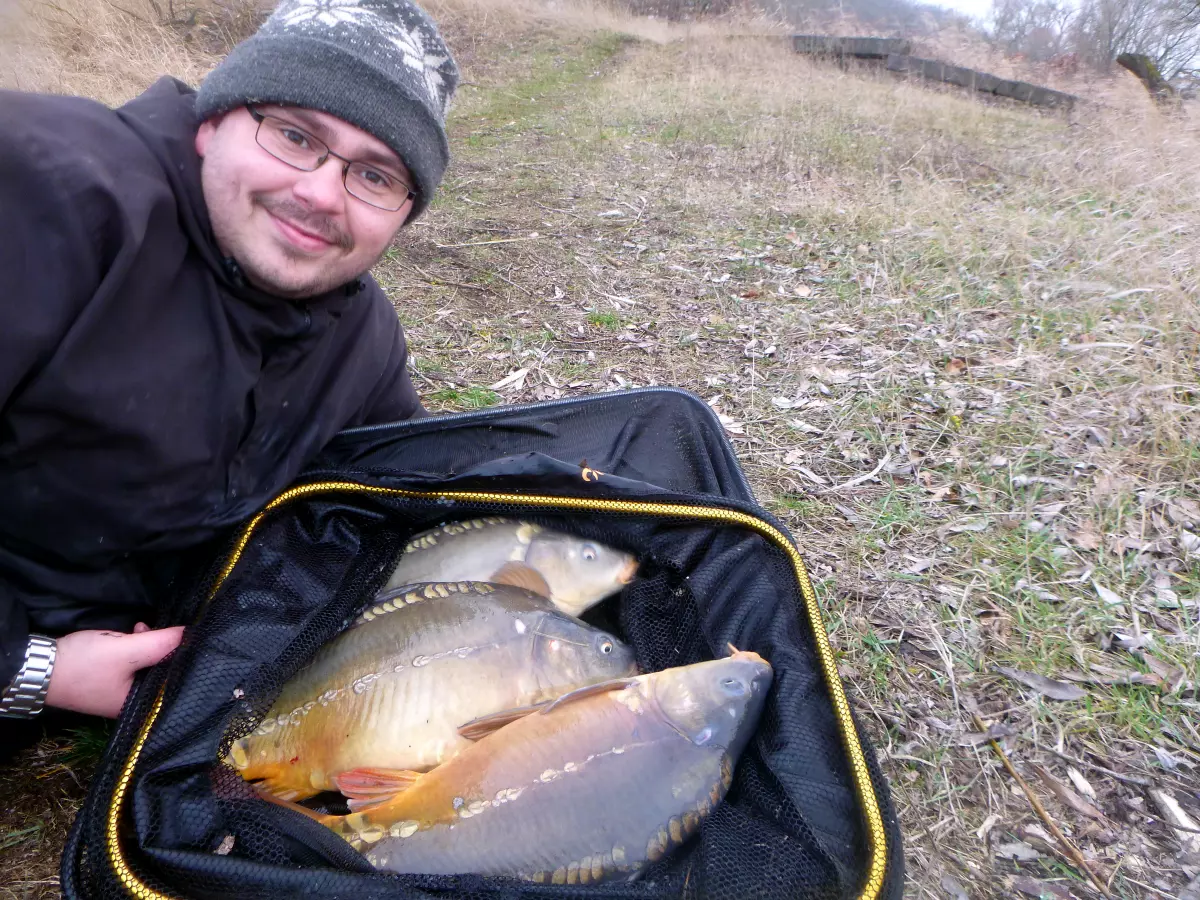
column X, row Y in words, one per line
column 294, row 233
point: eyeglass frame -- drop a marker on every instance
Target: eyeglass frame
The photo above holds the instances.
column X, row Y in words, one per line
column 260, row 117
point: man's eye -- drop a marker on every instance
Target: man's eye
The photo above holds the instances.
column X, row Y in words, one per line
column 375, row 178
column 297, row 138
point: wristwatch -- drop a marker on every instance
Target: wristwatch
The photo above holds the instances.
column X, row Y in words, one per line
column 26, row 693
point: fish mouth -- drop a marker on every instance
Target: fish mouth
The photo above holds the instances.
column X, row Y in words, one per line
column 625, row 575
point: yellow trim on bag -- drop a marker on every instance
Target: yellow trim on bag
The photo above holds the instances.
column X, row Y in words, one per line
column 876, row 837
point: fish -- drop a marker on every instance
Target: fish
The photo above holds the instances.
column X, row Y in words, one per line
column 573, row 572
column 387, row 694
column 590, row 788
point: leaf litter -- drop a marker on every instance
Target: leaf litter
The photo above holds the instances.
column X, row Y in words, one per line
column 981, row 435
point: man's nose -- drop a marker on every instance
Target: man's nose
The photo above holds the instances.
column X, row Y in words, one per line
column 322, row 188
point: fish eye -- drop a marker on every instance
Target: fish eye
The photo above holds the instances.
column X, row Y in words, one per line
column 733, row 686
column 589, row 552
column 606, row 647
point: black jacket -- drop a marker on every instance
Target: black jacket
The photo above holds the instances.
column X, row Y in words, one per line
column 149, row 398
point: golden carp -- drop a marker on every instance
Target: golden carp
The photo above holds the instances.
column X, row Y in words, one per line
column 573, row 572
column 390, row 691
column 594, row 786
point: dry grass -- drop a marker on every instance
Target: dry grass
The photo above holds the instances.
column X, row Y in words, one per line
column 956, row 345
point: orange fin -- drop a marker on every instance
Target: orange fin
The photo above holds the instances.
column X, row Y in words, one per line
column 518, row 574
column 602, row 687
column 485, row 725
column 326, row 820
column 367, row 786
column 279, row 780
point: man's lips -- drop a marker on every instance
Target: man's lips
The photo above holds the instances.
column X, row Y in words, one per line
column 297, row 236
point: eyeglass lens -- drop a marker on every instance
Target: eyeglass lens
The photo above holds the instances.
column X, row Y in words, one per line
column 297, row 148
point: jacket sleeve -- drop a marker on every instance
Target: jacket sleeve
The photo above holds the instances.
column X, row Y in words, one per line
column 14, row 634
column 57, row 231
column 393, row 398
column 52, row 251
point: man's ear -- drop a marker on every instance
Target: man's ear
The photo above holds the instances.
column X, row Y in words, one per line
column 205, row 133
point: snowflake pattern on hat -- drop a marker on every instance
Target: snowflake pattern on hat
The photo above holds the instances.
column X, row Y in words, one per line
column 397, row 21
column 412, row 43
column 322, row 12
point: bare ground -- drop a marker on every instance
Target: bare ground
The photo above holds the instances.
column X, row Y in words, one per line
column 958, row 350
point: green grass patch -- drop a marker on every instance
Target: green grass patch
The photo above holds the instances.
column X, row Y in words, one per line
column 466, row 398
column 607, row 320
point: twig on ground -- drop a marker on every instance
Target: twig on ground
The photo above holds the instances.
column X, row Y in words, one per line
column 486, row 243
column 430, row 279
column 1072, row 850
column 887, row 458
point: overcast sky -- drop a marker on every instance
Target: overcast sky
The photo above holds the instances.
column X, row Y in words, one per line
column 976, row 8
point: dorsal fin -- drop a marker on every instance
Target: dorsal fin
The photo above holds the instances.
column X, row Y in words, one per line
column 590, row 690
column 482, row 726
column 519, row 574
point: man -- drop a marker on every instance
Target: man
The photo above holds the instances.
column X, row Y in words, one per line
column 185, row 320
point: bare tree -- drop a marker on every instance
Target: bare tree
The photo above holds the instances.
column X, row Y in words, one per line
column 1167, row 32
column 1036, row 29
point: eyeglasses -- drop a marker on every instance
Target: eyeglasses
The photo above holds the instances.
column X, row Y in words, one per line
column 299, row 149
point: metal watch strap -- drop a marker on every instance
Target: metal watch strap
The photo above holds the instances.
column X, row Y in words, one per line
column 26, row 693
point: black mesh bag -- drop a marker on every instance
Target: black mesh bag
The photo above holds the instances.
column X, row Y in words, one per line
column 808, row 813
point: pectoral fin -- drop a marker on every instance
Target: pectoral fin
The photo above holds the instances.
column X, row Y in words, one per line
column 518, row 574
column 365, row 786
column 280, row 780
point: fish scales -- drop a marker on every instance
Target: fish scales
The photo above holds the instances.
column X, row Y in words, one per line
column 397, row 686
column 588, row 793
column 573, row 572
column 491, row 547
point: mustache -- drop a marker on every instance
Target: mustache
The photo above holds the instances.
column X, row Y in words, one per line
column 314, row 223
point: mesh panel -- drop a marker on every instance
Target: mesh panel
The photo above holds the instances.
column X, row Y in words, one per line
column 190, row 826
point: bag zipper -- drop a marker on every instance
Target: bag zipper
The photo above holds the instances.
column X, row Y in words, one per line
column 860, row 774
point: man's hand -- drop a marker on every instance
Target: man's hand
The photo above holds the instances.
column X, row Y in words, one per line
column 93, row 670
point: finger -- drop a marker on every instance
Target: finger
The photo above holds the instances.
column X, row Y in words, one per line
column 149, row 647
column 140, row 627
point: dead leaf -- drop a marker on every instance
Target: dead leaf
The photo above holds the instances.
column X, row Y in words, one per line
column 920, row 564
column 1055, row 690
column 956, row 366
column 1068, row 796
column 981, row 524
column 986, row 828
column 1081, row 784
column 1167, row 760
column 811, row 475
column 1042, row 890
column 1110, row 678
column 994, row 733
column 1086, row 537
column 513, row 381
column 1182, row 824
column 732, row 426
column 953, row 888
column 1111, row 598
column 1018, row 850
column 1169, row 674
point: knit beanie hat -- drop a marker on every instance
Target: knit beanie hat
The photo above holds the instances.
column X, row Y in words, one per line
column 379, row 65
